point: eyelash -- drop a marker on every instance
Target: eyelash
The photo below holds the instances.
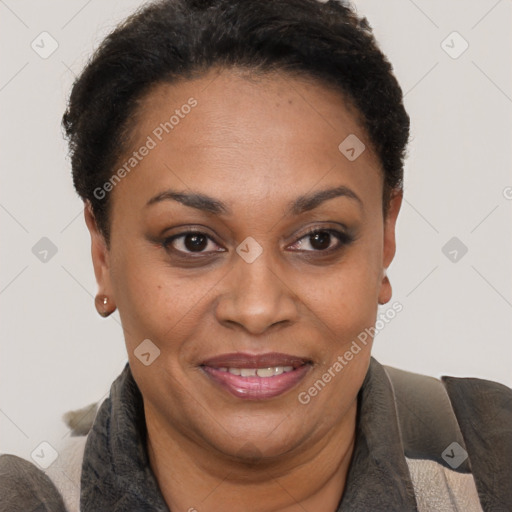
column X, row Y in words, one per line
column 344, row 239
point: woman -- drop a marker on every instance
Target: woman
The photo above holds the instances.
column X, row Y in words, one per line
column 241, row 168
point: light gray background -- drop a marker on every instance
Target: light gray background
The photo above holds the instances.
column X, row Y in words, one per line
column 58, row 354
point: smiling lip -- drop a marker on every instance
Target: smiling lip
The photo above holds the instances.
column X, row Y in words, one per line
column 255, row 387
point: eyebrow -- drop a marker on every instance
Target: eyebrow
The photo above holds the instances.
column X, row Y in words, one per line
column 303, row 203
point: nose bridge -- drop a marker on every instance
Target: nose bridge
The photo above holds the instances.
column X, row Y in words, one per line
column 259, row 275
column 257, row 297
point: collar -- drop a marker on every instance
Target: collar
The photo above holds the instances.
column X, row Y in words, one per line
column 378, row 477
column 116, row 474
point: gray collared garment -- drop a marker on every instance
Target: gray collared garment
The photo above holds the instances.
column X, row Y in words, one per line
column 409, row 433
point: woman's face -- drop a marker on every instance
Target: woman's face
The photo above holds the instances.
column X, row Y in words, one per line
column 251, row 281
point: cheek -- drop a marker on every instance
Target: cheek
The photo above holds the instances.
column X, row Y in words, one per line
column 155, row 302
column 345, row 296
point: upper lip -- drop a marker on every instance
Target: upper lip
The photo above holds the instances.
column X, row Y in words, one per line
column 244, row 360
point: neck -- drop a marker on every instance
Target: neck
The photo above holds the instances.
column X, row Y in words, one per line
column 193, row 477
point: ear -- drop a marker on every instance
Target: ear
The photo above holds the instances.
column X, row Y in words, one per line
column 100, row 255
column 389, row 244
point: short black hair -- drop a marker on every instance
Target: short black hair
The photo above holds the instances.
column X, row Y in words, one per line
column 171, row 40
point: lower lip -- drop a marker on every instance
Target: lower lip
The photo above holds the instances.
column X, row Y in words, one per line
column 257, row 388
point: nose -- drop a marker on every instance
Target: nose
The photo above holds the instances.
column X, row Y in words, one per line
column 257, row 296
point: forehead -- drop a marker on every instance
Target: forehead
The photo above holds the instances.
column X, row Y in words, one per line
column 237, row 101
column 228, row 129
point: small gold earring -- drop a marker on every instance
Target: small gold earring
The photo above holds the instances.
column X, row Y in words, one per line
column 101, row 302
column 385, row 279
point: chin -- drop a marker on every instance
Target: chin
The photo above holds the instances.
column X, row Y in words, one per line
column 259, row 441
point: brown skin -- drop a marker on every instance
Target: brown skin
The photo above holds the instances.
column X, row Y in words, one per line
column 256, row 145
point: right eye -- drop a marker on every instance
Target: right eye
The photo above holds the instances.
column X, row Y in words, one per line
column 189, row 242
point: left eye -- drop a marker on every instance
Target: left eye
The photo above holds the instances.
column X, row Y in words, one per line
column 321, row 240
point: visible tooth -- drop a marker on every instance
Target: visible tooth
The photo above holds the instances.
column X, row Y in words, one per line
column 270, row 371
column 265, row 372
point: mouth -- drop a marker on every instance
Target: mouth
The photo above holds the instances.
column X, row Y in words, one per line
column 256, row 377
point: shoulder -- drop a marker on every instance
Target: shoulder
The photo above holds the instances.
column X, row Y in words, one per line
column 474, row 413
column 24, row 487
column 480, row 397
column 483, row 408
column 474, row 401
column 484, row 412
